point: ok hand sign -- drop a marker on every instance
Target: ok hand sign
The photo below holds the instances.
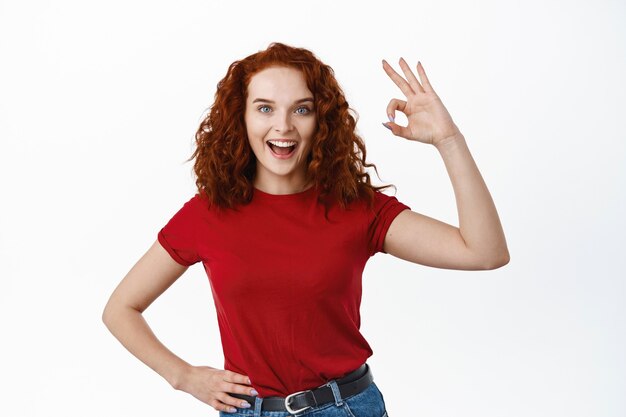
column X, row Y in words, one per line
column 428, row 119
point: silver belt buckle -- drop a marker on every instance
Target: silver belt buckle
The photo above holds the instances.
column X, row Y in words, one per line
column 288, row 403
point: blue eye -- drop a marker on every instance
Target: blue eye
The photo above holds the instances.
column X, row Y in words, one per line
column 263, row 107
column 307, row 110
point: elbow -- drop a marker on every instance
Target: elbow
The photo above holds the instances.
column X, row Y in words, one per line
column 106, row 315
column 109, row 314
column 499, row 261
column 116, row 312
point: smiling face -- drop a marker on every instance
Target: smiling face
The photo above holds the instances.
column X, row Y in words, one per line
column 280, row 122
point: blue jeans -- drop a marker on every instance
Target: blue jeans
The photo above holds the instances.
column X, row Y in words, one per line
column 367, row 403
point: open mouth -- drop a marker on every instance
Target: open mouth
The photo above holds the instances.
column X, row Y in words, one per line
column 282, row 149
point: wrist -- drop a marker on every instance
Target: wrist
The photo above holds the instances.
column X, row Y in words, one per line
column 450, row 142
column 178, row 378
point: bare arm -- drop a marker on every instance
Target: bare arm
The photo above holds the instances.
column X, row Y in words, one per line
column 155, row 272
column 478, row 242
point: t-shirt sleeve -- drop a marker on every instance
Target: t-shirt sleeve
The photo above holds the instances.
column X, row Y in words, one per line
column 386, row 208
column 178, row 236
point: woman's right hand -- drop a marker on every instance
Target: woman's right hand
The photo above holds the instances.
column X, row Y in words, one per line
column 211, row 386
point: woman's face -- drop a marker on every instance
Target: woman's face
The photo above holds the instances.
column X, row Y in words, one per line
column 279, row 111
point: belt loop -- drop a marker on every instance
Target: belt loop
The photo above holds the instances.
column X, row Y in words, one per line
column 335, row 388
column 258, row 403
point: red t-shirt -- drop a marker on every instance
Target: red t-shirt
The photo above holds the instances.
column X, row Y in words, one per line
column 286, row 282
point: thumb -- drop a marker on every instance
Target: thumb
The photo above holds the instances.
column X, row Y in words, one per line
column 397, row 130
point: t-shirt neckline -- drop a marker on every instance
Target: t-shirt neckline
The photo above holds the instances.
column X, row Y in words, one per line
column 267, row 196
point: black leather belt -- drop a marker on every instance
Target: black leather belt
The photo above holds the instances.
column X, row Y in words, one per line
column 353, row 383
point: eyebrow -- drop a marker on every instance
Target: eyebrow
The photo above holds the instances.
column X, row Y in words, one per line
column 264, row 100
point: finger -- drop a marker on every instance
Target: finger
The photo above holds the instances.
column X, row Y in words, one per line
column 395, row 104
column 238, row 388
column 398, row 130
column 220, row 406
column 415, row 85
column 398, row 80
column 424, row 78
column 232, row 401
column 230, row 376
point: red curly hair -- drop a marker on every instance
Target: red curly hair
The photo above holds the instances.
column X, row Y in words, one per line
column 225, row 165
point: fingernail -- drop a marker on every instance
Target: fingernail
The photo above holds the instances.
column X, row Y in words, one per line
column 232, row 409
column 391, row 118
column 384, row 124
column 245, row 404
column 253, row 392
column 249, row 382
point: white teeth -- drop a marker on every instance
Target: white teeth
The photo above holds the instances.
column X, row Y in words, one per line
column 282, row 144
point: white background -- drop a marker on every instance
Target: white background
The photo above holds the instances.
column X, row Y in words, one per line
column 99, row 102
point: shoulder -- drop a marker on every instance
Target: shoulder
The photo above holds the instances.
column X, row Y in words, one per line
column 192, row 209
column 195, row 204
column 201, row 202
column 383, row 201
column 375, row 204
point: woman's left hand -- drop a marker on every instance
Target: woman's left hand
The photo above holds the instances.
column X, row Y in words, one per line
column 428, row 119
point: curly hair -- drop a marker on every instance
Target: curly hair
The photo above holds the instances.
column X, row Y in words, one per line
column 225, row 165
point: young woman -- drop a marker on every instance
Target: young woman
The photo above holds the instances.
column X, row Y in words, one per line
column 284, row 220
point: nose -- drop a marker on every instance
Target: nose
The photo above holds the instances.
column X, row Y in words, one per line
column 283, row 122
